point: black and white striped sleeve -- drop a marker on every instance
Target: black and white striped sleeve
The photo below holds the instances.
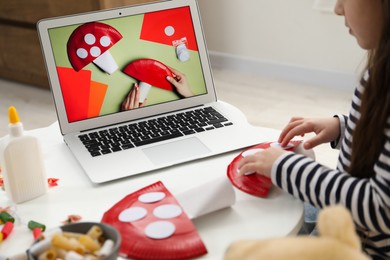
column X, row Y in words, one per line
column 336, row 144
column 367, row 199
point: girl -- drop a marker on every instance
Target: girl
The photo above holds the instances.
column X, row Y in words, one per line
column 361, row 181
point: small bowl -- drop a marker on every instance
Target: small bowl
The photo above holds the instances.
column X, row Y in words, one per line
column 83, row 227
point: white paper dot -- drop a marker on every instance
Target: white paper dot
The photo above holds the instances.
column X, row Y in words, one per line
column 132, row 214
column 251, row 152
column 95, row 51
column 89, row 38
column 151, row 197
column 276, row 144
column 167, row 211
column 160, row 229
column 82, row 53
column 105, row 41
column 169, row 30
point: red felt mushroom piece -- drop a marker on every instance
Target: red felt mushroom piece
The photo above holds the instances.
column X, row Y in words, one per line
column 91, row 42
column 149, row 72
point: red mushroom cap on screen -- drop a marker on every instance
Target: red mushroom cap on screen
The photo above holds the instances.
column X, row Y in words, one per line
column 89, row 41
column 150, row 71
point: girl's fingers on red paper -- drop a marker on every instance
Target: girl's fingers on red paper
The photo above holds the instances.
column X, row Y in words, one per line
column 298, row 129
column 283, row 139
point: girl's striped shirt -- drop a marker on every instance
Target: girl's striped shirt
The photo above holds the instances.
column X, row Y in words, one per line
column 367, row 199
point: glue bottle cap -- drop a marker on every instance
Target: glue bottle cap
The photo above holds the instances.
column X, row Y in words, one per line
column 13, row 115
column 15, row 126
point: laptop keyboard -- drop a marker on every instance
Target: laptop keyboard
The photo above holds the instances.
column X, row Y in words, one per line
column 154, row 130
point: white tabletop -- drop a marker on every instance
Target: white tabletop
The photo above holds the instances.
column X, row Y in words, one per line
column 249, row 218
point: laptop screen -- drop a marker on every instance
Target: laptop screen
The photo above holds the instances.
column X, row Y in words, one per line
column 115, row 65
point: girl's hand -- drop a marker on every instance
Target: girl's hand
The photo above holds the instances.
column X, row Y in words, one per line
column 326, row 130
column 261, row 162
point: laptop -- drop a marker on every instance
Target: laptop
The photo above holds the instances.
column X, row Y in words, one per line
column 119, row 72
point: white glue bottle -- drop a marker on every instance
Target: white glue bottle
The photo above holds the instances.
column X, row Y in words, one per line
column 22, row 163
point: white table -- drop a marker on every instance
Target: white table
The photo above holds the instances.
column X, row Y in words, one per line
column 250, row 217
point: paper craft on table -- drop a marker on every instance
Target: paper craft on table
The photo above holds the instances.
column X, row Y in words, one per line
column 254, row 184
column 153, row 225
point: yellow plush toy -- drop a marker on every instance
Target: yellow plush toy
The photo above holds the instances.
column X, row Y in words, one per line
column 337, row 240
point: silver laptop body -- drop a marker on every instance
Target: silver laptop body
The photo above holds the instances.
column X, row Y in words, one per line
column 89, row 99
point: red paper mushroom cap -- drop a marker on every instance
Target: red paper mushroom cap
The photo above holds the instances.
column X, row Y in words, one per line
column 254, row 184
column 184, row 243
column 150, row 71
column 89, row 41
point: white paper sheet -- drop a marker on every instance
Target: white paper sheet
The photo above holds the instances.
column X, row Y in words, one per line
column 206, row 198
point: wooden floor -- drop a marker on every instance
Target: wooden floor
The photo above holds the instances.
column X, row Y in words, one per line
column 265, row 102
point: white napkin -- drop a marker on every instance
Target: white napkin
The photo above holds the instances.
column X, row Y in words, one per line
column 208, row 197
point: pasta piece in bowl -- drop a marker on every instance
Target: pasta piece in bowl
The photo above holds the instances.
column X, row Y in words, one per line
column 79, row 240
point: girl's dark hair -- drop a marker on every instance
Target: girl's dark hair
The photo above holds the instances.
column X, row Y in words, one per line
column 369, row 137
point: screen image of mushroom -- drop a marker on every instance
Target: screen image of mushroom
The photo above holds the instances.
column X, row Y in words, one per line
column 91, row 42
column 149, row 72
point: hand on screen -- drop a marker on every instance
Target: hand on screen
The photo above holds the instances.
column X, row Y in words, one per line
column 180, row 83
column 132, row 99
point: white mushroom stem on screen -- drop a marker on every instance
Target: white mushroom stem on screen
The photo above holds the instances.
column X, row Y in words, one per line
column 106, row 62
column 144, row 91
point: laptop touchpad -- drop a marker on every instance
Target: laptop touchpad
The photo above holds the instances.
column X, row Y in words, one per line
column 177, row 151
